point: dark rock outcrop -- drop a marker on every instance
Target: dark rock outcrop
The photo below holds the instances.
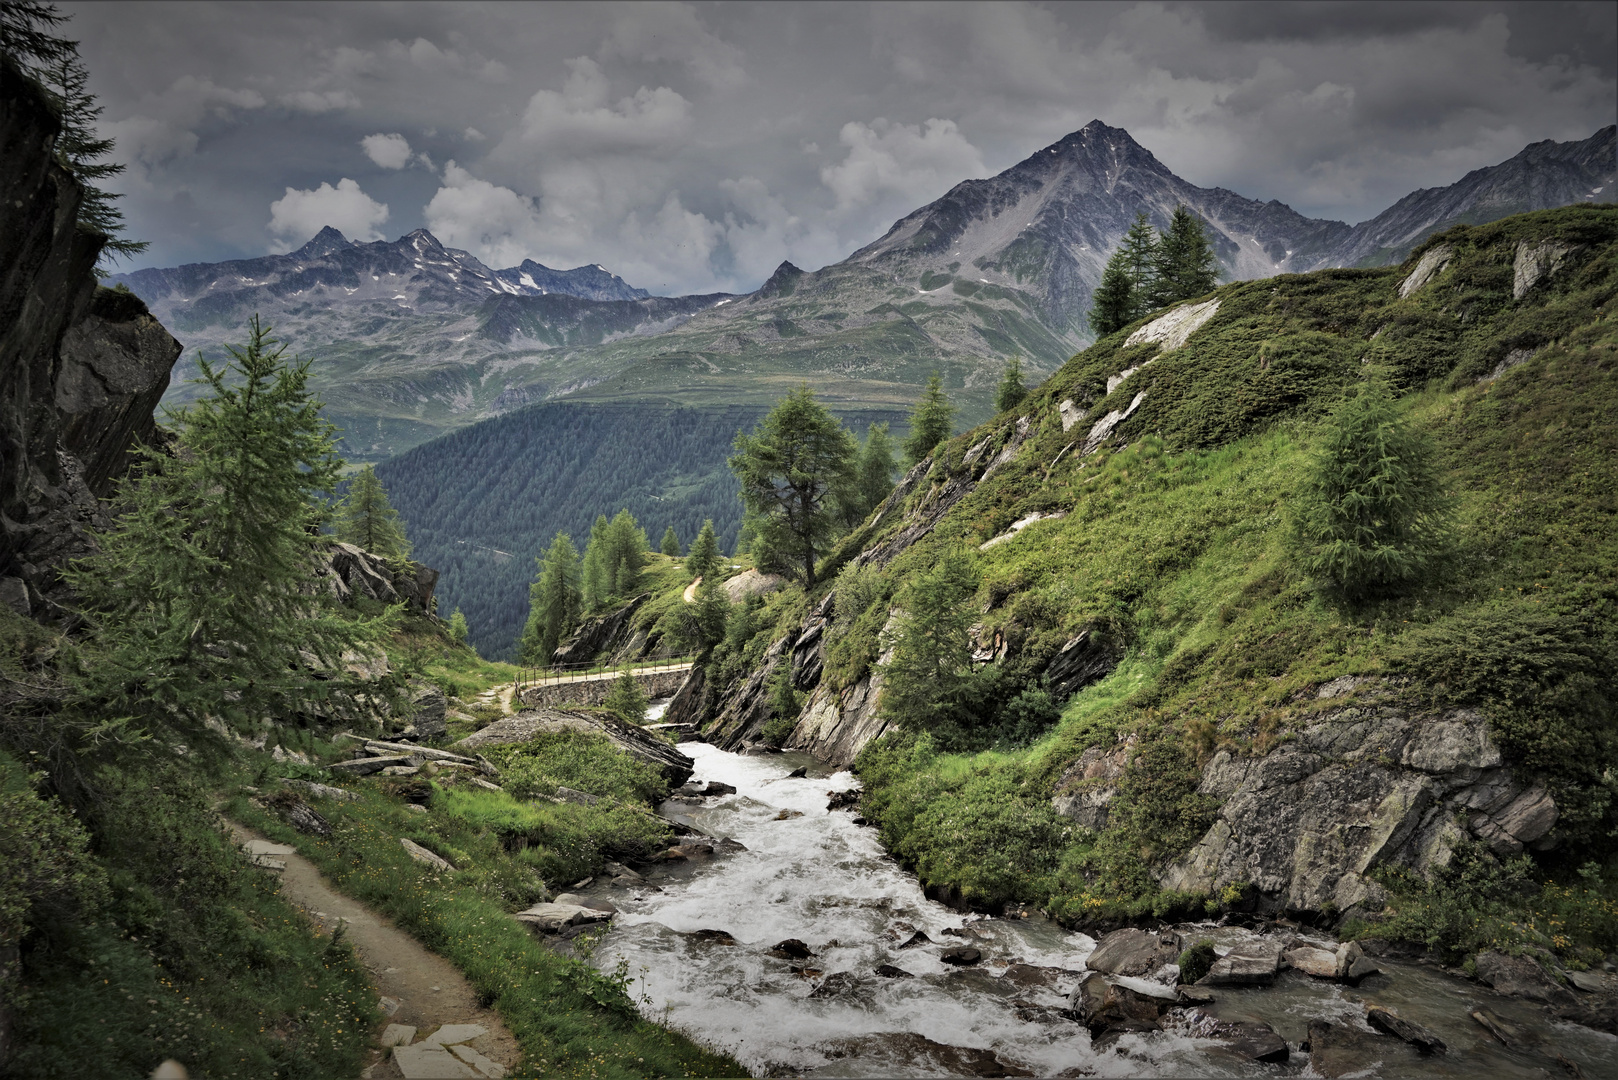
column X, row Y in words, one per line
column 1134, row 952
column 597, row 635
column 80, row 366
column 1102, row 1005
column 353, row 571
column 1519, row 976
column 1080, row 662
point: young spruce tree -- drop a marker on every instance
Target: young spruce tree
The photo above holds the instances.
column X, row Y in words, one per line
column 704, row 560
column 671, row 543
column 932, row 646
column 626, row 700
column 204, row 596
column 1011, row 391
column 1186, row 264
column 1372, row 513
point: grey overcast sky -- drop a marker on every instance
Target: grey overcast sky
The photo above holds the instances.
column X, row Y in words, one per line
column 693, row 146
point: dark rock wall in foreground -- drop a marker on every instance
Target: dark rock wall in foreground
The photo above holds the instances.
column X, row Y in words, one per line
column 81, row 367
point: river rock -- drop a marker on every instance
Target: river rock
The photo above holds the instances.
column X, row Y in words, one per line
column 835, row 985
column 1251, row 963
column 1597, row 1011
column 799, row 773
column 1411, row 1032
column 1337, row 1049
column 593, row 905
column 1134, row 952
column 791, row 949
column 888, row 971
column 553, row 917
column 1253, row 1040
column 1312, row 961
column 918, row 938
column 1100, row 1005
column 713, row 937
column 1518, row 976
column 842, row 800
column 960, row 956
column 1510, row 1035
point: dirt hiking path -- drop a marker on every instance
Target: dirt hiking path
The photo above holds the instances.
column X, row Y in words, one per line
column 425, row 991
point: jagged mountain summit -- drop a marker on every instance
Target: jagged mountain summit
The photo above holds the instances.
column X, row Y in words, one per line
column 414, row 339
column 414, row 270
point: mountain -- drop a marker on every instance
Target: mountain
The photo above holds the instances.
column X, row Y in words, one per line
column 1545, row 175
column 412, row 339
column 1181, row 714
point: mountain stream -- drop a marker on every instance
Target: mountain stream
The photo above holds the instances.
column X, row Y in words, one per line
column 813, row 875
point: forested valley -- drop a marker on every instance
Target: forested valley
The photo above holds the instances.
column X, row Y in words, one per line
column 481, row 504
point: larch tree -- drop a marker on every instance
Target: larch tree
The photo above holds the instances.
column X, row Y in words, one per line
column 930, row 421
column 931, row 640
column 671, row 543
column 704, row 560
column 555, row 602
column 367, row 520
column 205, row 593
column 790, row 467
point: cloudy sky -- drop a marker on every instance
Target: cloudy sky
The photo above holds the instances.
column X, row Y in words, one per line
column 693, row 146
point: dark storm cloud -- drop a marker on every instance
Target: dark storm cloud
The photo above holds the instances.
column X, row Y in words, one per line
column 692, row 147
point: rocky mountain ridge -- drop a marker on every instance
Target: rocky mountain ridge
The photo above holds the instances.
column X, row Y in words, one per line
column 414, row 339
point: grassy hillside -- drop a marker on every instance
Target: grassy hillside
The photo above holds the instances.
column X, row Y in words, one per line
column 1174, row 550
column 481, row 504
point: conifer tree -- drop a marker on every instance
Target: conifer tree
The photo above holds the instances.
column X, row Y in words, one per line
column 929, row 421
column 671, row 543
column 1372, row 513
column 1112, row 305
column 874, row 470
column 367, row 520
column 704, row 560
column 1141, row 259
column 204, row 594
column 932, row 647
column 555, row 602
column 626, row 700
column 457, row 627
column 706, row 618
column 28, row 36
column 1011, row 391
column 790, row 468
column 625, row 553
column 1186, row 264
column 595, row 581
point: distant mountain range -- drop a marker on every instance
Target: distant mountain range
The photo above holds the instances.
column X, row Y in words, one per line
column 413, row 339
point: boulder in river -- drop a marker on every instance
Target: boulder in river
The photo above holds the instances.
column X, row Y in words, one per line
column 713, row 937
column 1320, row 963
column 835, row 985
column 960, row 956
column 1519, row 976
column 1253, row 1040
column 1102, row 1005
column 554, row 918
column 1510, row 1035
column 1253, row 963
column 792, row 949
column 918, row 938
column 1597, row 1011
column 1338, row 1049
column 842, row 800
column 1386, row 1020
column 888, row 971
column 1134, row 952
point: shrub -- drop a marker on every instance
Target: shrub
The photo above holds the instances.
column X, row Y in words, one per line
column 1371, row 514
column 1195, row 961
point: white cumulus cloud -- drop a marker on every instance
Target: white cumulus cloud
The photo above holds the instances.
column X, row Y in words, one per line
column 916, row 162
column 581, row 118
column 388, row 151
column 299, row 214
column 494, row 223
column 317, row 102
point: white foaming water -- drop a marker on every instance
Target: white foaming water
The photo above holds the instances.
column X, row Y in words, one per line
column 823, row 880
column 829, row 883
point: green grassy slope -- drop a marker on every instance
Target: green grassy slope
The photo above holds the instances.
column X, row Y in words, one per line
column 1173, row 548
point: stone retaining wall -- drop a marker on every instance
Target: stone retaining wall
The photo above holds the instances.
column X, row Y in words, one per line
column 658, row 685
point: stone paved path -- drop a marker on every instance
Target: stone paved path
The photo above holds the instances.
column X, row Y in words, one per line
column 436, row 1029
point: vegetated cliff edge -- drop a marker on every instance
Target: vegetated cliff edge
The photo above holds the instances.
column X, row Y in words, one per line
column 1231, row 732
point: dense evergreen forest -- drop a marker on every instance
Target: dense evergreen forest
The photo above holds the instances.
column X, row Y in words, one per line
column 481, row 504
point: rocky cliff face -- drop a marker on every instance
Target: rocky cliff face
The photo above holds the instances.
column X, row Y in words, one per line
column 81, row 367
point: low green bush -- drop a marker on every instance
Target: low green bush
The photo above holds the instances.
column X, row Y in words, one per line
column 581, row 760
column 1195, row 961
